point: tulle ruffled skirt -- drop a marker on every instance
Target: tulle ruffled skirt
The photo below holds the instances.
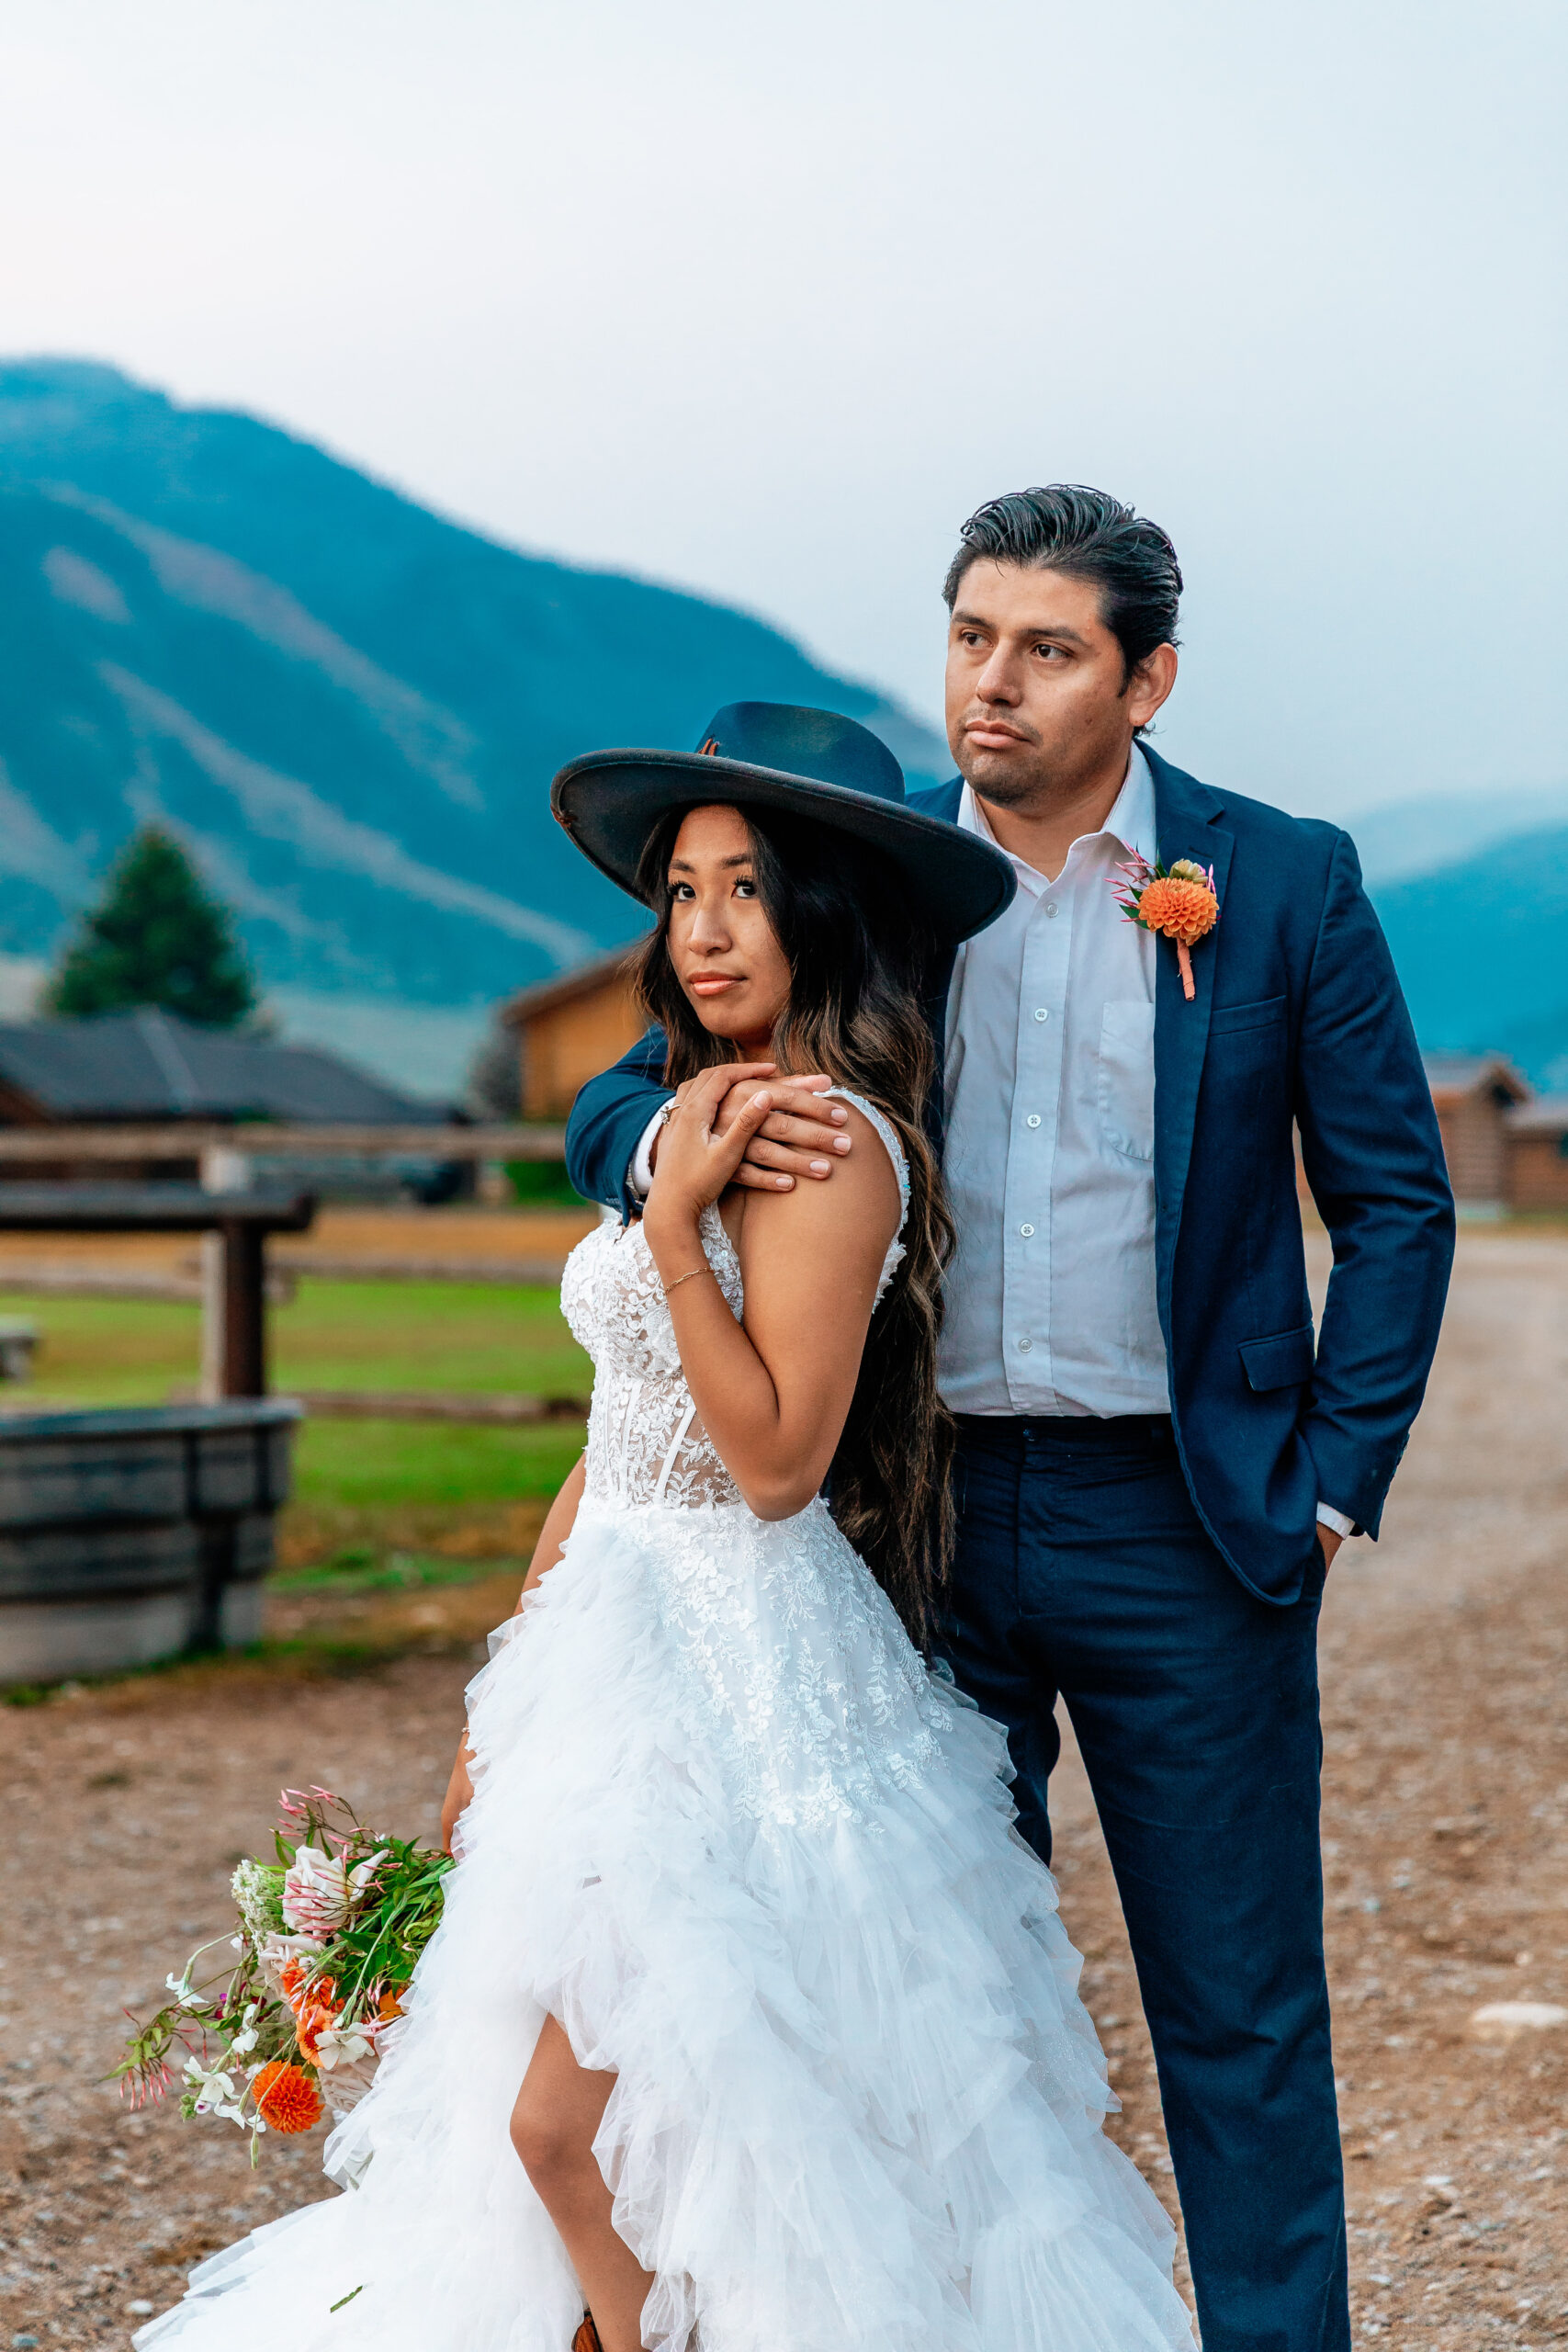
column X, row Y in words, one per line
column 858, row 2104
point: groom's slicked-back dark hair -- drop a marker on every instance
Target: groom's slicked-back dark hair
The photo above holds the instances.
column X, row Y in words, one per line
column 1090, row 536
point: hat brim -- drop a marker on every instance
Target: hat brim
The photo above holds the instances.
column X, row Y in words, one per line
column 610, row 802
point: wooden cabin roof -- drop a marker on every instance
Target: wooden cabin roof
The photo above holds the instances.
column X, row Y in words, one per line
column 151, row 1065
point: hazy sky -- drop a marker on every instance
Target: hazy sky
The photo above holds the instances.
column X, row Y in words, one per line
column 763, row 301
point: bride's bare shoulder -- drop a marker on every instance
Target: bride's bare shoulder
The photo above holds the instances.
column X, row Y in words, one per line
column 850, row 1216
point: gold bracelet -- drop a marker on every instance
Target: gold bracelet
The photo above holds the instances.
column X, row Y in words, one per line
column 667, row 1287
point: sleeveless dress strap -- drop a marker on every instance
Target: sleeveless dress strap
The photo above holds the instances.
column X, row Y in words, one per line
column 889, row 1135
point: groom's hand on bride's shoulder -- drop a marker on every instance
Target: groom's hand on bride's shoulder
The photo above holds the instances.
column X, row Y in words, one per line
column 801, row 1137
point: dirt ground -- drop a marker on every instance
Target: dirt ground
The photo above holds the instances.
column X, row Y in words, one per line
column 1446, row 1827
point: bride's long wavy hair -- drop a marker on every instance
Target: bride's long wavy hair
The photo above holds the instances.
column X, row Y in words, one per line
column 854, row 1011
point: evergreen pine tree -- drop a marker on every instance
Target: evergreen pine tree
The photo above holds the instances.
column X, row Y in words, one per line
column 157, row 936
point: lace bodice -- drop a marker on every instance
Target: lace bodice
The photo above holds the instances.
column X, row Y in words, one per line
column 789, row 1663
column 644, row 1442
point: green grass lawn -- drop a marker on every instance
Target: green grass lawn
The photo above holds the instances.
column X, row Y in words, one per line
column 384, row 1487
column 393, row 1465
column 426, row 1335
column 106, row 1351
column 475, row 1336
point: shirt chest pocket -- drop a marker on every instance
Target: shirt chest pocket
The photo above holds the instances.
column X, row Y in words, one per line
column 1127, row 1077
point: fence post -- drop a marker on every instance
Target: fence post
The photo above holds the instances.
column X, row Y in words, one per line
column 212, row 1333
column 244, row 1309
column 233, row 1337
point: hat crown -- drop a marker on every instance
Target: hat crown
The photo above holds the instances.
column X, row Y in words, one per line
column 797, row 741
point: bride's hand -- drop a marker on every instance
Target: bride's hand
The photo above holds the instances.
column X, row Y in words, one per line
column 695, row 1163
column 802, row 1137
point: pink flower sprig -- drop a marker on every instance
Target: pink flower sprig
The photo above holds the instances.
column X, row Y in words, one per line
column 1178, row 903
column 307, row 1818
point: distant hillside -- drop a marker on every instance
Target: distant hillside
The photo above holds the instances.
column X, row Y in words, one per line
column 1482, row 948
column 1413, row 837
column 350, row 710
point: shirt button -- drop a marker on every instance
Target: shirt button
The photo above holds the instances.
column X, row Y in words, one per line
column 1043, row 1013
column 1051, row 908
column 1024, row 1346
column 1026, row 1231
column 1032, row 1120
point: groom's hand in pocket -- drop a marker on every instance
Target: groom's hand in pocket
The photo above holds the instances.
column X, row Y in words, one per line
column 1330, row 1539
column 801, row 1137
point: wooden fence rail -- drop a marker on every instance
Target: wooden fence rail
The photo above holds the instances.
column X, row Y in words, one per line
column 234, row 1229
column 259, row 1140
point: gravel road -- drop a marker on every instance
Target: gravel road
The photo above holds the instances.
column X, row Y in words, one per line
column 1446, row 1827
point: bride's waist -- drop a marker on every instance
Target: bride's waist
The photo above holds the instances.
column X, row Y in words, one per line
column 664, row 1511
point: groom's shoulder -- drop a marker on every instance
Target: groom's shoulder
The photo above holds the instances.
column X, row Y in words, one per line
column 1276, row 830
column 1269, row 834
column 940, row 800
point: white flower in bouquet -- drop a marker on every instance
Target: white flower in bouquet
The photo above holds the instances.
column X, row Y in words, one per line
column 320, row 1893
column 343, row 2046
column 257, row 1890
column 245, row 2040
column 212, row 2092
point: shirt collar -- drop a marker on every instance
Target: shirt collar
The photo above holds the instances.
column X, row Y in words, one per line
column 1131, row 823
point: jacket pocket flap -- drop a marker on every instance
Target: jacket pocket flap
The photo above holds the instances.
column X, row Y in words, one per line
column 1277, row 1362
column 1260, row 1015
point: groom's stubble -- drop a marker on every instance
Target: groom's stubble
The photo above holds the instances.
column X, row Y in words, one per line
column 1041, row 708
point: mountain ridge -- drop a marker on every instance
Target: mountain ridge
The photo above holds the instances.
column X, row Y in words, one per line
column 349, row 709
column 348, row 706
column 1478, row 946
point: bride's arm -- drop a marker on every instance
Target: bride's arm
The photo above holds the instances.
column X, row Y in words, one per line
column 558, row 1526
column 775, row 1393
column 560, row 1520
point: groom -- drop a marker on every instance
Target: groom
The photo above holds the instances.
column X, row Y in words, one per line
column 1156, row 1463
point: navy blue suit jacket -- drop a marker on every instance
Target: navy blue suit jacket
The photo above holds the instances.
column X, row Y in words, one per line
column 1298, row 1023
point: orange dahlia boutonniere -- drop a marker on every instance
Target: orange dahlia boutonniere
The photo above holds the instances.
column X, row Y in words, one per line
column 1178, row 901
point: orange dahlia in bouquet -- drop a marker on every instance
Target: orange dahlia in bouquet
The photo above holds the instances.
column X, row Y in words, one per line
column 1179, row 902
column 327, row 1939
column 287, row 2097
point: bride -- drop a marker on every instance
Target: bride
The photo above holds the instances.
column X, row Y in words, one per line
column 751, row 2024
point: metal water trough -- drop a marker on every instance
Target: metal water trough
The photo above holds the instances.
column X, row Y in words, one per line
column 128, row 1536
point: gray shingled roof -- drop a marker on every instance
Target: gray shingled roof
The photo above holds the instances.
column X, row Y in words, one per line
column 1460, row 1073
column 150, row 1064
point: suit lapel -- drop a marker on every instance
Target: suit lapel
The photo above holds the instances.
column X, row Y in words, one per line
column 1186, row 816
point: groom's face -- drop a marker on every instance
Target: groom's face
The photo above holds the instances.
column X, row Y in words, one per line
column 1038, row 700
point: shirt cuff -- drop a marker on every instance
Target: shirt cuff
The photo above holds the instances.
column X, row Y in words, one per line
column 1336, row 1520
column 640, row 1175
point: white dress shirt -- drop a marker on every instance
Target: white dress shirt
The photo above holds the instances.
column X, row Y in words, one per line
column 1050, row 1082
column 1049, row 1158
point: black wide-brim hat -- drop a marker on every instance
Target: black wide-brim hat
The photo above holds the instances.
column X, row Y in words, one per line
column 812, row 762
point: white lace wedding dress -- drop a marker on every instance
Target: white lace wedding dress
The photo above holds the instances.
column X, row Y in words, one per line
column 757, row 1861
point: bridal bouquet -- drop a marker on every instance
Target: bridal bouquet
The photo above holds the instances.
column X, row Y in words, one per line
column 328, row 1936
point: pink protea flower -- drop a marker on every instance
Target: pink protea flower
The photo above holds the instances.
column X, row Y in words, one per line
column 320, row 1893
